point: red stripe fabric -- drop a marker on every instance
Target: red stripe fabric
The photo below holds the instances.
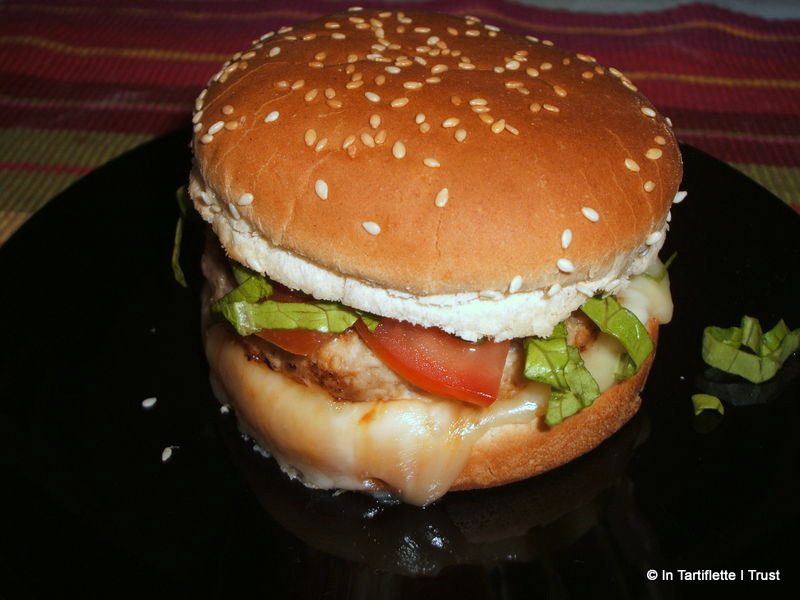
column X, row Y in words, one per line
column 731, row 82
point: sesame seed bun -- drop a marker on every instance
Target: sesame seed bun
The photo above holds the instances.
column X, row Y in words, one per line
column 430, row 155
column 316, row 439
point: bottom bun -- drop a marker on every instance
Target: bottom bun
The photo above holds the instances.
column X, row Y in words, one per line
column 417, row 450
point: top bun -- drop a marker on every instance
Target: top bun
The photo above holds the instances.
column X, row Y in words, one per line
column 431, row 154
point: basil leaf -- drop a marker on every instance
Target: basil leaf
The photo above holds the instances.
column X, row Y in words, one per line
column 183, row 202
column 703, row 402
column 747, row 352
column 554, row 362
column 611, row 318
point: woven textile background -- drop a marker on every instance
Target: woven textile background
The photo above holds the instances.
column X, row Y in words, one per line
column 82, row 82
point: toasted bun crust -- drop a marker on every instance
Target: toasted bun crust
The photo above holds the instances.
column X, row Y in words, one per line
column 324, row 446
column 566, row 135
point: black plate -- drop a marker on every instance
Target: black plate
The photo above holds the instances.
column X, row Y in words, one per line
column 93, row 323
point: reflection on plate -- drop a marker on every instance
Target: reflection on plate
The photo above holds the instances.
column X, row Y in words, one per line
column 93, row 324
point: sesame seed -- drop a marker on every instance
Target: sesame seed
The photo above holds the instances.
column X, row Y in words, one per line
column 149, row 403
column 627, row 83
column 245, row 199
column 422, row 29
column 452, row 31
column 560, row 91
column 207, row 138
column 466, row 66
column 450, row 122
column 659, row 140
column 498, row 126
column 668, row 120
column 321, row 188
column 371, row 227
column 590, row 214
column 310, row 137
column 348, row 141
column 166, row 453
column 332, row 25
column 654, row 153
column 282, row 84
column 380, row 80
column 478, row 102
column 399, row 102
column 615, row 72
column 375, row 121
column 679, row 197
column 488, row 119
column 566, row 238
column 330, row 93
column 565, row 265
column 234, row 211
column 460, row 135
column 436, row 69
column 334, row 103
column 551, row 108
column 585, row 290
column 654, row 238
column 631, row 165
column 338, row 36
column 392, row 69
column 321, row 144
column 545, row 66
column 380, row 137
column 513, row 85
column 420, row 118
column 298, row 84
column 431, row 162
column 587, row 75
column 647, row 111
column 274, row 51
column 511, row 129
column 197, row 116
column 351, row 58
column 433, row 79
column 554, row 289
column 512, row 65
column 216, row 127
column 441, row 198
column 227, row 109
column 669, row 216
column 412, row 85
column 425, row 127
column 455, row 100
column 515, row 285
column 351, row 151
column 198, row 127
column 372, row 96
column 535, row 107
column 399, row 149
column 310, row 95
column 649, row 186
column 368, row 140
column 433, row 40
column 472, row 33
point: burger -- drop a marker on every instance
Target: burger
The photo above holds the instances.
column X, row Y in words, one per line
column 433, row 260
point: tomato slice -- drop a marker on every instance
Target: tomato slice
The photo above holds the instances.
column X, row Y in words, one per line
column 296, row 341
column 438, row 362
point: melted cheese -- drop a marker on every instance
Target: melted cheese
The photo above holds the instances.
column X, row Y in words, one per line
column 416, row 447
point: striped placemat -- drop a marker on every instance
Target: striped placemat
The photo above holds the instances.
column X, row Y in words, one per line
column 83, row 82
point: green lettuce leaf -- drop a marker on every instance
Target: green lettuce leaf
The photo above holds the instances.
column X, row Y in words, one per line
column 248, row 318
column 747, row 352
column 554, row 362
column 246, row 307
column 183, row 203
column 659, row 271
column 611, row 318
column 703, row 402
